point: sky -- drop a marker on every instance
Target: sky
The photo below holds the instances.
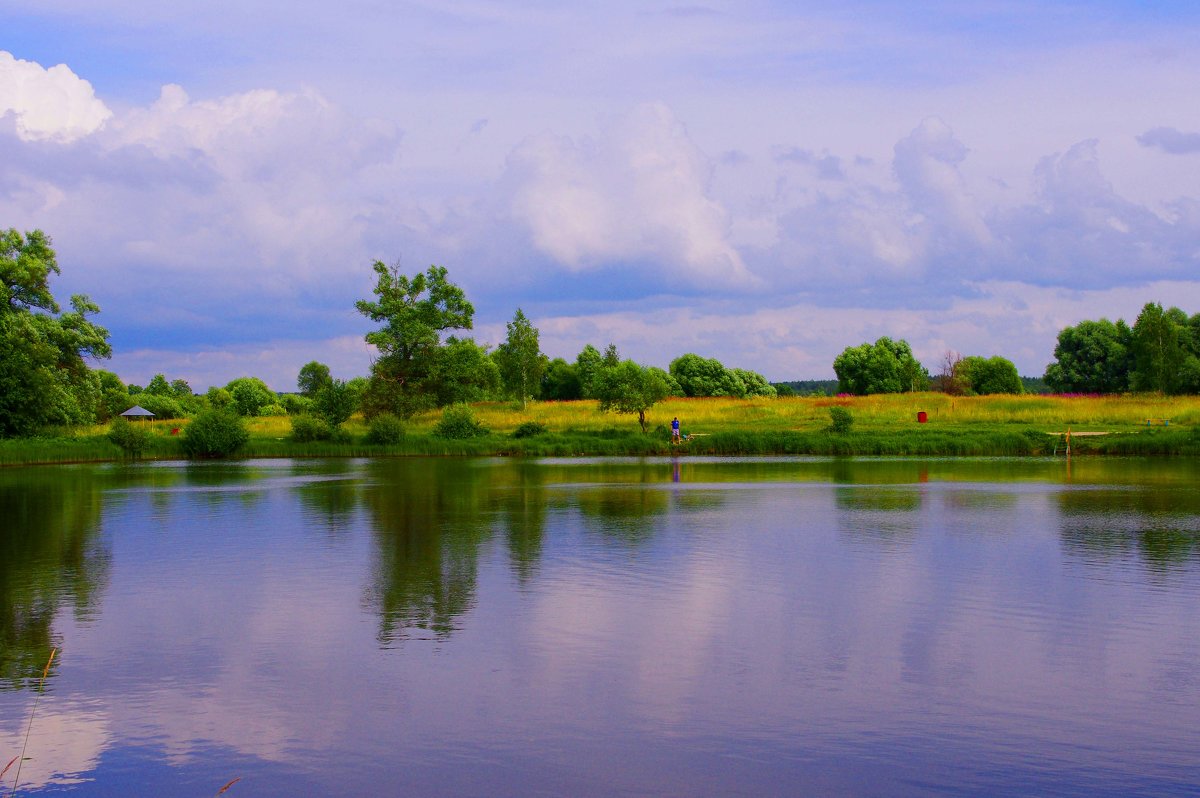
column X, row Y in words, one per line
column 761, row 182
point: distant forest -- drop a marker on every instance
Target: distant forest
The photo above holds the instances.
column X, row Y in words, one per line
column 830, row 387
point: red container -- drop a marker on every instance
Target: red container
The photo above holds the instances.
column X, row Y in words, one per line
column 922, row 416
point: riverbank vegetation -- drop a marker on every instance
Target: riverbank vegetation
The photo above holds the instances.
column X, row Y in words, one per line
column 884, row 424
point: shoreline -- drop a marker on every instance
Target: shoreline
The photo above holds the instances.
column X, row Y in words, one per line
column 929, row 442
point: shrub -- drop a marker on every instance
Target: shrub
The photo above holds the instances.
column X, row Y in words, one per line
column 306, row 429
column 295, row 404
column 458, row 423
column 528, row 429
column 214, row 433
column 133, row 439
column 385, row 429
column 840, row 420
column 272, row 410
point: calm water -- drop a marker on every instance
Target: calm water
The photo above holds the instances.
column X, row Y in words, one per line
column 603, row 627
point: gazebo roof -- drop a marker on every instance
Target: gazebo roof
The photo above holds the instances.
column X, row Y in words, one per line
column 138, row 410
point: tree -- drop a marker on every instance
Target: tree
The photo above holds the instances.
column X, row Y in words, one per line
column 992, row 375
column 560, row 382
column 629, row 388
column 950, row 379
column 1092, row 357
column 44, row 378
column 462, row 371
column 886, row 366
column 587, row 363
column 335, row 402
column 673, row 386
column 313, row 377
column 756, row 384
column 250, row 394
column 699, row 376
column 159, row 386
column 520, row 359
column 415, row 312
column 1158, row 351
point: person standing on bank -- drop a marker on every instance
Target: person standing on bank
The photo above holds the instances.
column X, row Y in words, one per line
column 675, row 430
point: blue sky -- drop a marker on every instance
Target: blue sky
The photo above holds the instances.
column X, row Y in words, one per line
column 765, row 183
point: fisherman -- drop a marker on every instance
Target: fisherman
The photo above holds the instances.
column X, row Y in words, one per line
column 675, row 430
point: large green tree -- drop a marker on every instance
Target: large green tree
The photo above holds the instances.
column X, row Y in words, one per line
column 312, row 378
column 700, row 376
column 982, row 376
column 587, row 363
column 1160, row 349
column 885, row 366
column 1092, row 357
column 629, row 388
column 250, row 394
column 408, row 375
column 44, row 377
column 520, row 359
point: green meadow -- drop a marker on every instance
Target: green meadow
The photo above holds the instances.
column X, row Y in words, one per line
column 885, row 424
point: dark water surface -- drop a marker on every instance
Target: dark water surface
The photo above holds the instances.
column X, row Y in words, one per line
column 488, row 627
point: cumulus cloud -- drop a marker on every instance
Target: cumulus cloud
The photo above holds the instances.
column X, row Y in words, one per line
column 927, row 165
column 1171, row 141
column 52, row 103
column 825, row 166
column 638, row 193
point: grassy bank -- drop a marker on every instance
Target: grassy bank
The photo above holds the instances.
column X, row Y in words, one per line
column 883, row 425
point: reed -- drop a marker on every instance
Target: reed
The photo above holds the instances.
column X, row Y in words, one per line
column 29, row 727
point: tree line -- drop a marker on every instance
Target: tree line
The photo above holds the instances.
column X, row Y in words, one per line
column 1159, row 353
column 425, row 361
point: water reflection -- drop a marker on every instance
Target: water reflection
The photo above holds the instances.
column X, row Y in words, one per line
column 51, row 557
column 426, row 538
column 628, row 514
column 1160, row 525
column 878, row 512
column 712, row 627
column 335, row 496
column 523, row 503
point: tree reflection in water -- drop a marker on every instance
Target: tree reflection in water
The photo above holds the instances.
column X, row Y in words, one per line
column 427, row 537
column 51, row 556
column 523, row 502
column 1160, row 523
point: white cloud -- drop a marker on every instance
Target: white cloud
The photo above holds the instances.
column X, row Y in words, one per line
column 69, row 739
column 54, row 103
column 926, row 164
column 637, row 193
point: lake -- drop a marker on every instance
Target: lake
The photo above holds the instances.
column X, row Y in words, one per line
column 603, row 627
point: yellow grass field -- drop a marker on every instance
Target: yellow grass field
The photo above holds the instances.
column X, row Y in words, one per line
column 879, row 412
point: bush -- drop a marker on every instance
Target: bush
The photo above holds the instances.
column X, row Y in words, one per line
column 272, row 410
column 458, row 423
column 295, row 404
column 133, row 439
column 214, row 433
column 528, row 429
column 385, row 429
column 306, row 429
column 840, row 420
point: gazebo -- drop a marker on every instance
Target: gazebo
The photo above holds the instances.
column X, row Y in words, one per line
column 137, row 411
